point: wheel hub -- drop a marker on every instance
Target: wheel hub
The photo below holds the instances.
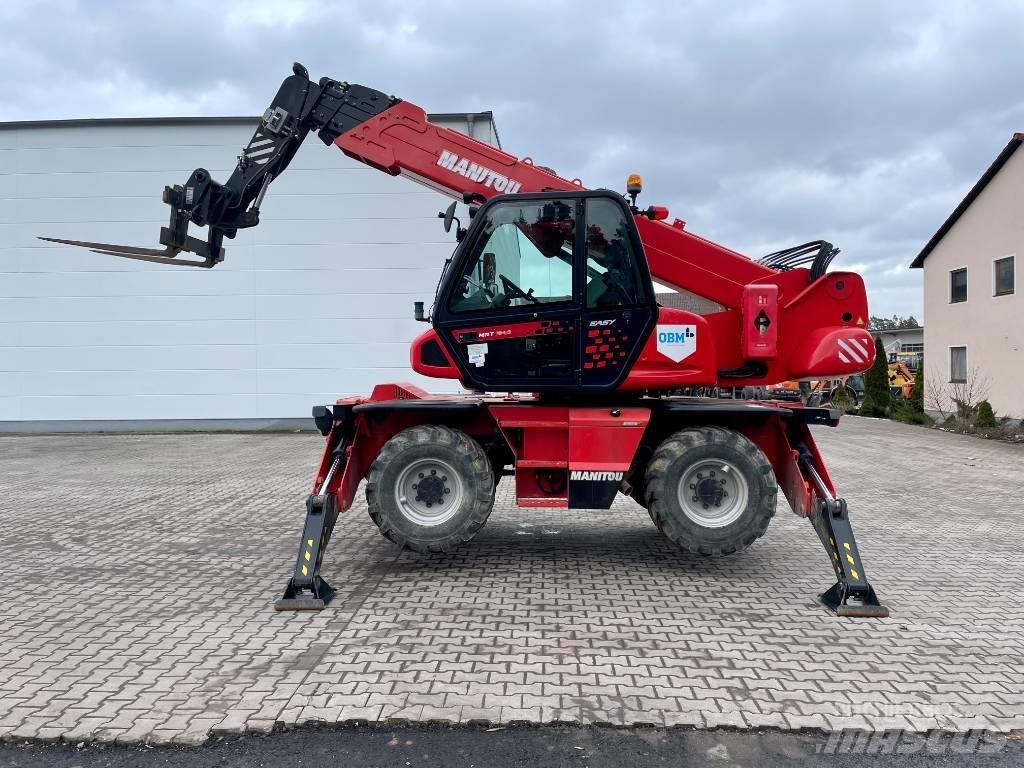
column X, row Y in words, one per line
column 429, row 492
column 431, row 489
column 710, row 491
column 713, row 493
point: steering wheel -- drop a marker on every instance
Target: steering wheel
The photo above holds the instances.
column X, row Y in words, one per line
column 613, row 282
column 513, row 291
column 490, row 294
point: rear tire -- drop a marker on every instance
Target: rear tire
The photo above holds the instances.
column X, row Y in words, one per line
column 431, row 488
column 710, row 490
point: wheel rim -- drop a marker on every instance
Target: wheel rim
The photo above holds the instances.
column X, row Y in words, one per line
column 429, row 492
column 713, row 493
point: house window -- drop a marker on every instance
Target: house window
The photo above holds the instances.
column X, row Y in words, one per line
column 958, row 365
column 958, row 285
column 1003, row 277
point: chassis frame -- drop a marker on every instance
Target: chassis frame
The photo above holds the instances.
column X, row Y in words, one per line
column 541, row 435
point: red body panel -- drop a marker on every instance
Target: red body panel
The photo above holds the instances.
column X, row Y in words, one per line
column 605, row 439
column 448, row 371
column 654, row 370
column 805, row 345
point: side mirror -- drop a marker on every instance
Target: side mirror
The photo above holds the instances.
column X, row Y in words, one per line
column 448, row 216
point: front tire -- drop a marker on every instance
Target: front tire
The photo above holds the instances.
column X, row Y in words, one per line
column 431, row 488
column 710, row 490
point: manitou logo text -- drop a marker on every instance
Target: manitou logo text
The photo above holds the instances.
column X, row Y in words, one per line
column 478, row 173
column 601, row 477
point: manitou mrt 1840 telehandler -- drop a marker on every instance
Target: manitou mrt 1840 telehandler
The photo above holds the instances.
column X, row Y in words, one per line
column 549, row 294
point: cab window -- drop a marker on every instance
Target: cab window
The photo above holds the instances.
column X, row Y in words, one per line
column 523, row 257
column 613, row 274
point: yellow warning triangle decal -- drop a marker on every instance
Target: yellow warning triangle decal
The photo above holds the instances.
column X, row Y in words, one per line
column 860, row 321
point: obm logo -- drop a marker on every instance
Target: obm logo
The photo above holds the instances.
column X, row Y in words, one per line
column 677, row 342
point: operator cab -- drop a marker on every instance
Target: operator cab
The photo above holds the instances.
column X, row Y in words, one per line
column 547, row 291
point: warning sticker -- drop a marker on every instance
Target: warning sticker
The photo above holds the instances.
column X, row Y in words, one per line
column 477, row 354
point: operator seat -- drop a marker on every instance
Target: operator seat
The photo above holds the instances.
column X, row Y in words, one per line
column 601, row 290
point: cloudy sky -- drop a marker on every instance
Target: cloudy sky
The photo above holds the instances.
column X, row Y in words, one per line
column 762, row 124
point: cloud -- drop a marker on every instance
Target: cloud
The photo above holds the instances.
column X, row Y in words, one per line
column 761, row 125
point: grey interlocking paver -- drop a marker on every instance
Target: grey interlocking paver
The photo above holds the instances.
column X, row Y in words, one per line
column 139, row 573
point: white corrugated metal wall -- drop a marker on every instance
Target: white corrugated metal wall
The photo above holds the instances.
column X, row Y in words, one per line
column 314, row 303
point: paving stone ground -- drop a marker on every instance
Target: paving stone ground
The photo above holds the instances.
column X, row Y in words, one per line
column 139, row 572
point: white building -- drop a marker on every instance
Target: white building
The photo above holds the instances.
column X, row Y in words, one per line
column 905, row 341
column 974, row 314
column 314, row 303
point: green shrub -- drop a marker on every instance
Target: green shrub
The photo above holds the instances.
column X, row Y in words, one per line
column 965, row 412
column 877, row 398
column 959, row 425
column 920, row 418
column 984, row 417
column 904, row 411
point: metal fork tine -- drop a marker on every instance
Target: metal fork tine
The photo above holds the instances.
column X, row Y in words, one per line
column 127, row 250
column 114, row 249
column 157, row 259
column 162, row 256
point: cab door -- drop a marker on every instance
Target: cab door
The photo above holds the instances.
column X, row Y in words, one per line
column 549, row 291
column 509, row 311
column 619, row 310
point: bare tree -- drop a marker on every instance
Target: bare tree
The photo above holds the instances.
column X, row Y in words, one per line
column 936, row 398
column 956, row 398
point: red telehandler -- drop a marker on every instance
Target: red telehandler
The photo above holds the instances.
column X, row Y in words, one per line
column 546, row 313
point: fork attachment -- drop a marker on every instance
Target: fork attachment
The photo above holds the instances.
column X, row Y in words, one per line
column 174, row 237
column 330, row 108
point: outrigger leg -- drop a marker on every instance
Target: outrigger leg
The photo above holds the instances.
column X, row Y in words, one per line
column 851, row 595
column 307, row 590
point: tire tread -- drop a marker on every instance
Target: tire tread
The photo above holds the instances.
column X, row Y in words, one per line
column 479, row 486
column 659, row 485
